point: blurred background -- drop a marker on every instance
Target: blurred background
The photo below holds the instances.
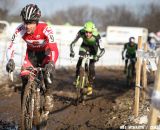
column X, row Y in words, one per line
column 145, row 13
column 125, row 18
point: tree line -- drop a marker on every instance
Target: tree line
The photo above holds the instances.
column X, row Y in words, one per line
column 145, row 16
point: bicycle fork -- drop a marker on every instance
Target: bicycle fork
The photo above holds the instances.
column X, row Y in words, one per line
column 78, row 82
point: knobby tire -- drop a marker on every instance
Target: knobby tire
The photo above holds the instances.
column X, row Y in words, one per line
column 30, row 113
column 130, row 75
column 27, row 108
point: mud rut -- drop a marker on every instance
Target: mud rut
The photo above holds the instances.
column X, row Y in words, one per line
column 107, row 109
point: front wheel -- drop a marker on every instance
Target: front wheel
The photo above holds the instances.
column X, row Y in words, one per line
column 27, row 108
column 81, row 94
column 130, row 75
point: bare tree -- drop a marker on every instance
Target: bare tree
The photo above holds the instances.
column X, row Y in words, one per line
column 97, row 15
column 115, row 15
column 59, row 18
column 152, row 17
column 74, row 15
column 5, row 7
column 120, row 16
column 78, row 16
column 148, row 16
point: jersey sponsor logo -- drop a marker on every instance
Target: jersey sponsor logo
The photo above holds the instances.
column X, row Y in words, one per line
column 36, row 43
column 19, row 29
column 47, row 31
column 40, row 41
column 38, row 36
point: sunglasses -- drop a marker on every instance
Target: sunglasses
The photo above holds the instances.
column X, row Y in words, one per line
column 30, row 22
column 88, row 32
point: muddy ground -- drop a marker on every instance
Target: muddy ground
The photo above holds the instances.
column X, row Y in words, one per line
column 110, row 106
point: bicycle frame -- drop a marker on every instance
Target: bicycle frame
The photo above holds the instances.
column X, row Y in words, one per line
column 85, row 66
column 82, row 79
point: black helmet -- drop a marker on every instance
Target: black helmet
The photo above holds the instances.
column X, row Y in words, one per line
column 30, row 12
column 131, row 39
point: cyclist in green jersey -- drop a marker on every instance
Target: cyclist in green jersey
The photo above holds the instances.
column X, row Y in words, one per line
column 130, row 48
column 91, row 42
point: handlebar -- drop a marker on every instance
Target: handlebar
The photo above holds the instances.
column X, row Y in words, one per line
column 87, row 56
column 37, row 70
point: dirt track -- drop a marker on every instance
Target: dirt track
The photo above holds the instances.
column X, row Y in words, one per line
column 108, row 108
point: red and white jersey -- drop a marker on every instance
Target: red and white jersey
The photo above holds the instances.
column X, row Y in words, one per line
column 41, row 39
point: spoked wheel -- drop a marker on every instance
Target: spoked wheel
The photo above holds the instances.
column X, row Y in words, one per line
column 129, row 82
column 79, row 96
column 27, row 108
column 81, row 81
column 130, row 76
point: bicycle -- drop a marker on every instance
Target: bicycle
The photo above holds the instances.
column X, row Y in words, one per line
column 82, row 81
column 130, row 75
column 33, row 99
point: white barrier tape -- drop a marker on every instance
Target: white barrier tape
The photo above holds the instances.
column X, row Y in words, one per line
column 155, row 99
column 152, row 65
column 150, row 57
column 158, row 52
column 139, row 86
column 140, row 53
column 145, row 55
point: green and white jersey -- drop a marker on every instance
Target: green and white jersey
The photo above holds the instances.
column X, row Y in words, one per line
column 130, row 50
column 89, row 41
column 93, row 42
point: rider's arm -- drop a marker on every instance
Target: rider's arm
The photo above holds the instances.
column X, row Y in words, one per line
column 124, row 48
column 100, row 45
column 74, row 41
column 52, row 45
column 136, row 46
column 11, row 48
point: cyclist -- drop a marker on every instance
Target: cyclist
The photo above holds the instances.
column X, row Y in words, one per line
column 152, row 42
column 41, row 49
column 130, row 48
column 91, row 42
